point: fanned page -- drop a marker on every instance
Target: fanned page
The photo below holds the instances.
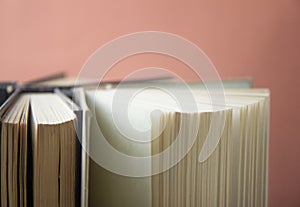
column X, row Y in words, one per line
column 231, row 171
column 39, row 152
column 14, row 147
column 54, row 151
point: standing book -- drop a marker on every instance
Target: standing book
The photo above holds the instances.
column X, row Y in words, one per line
column 47, row 139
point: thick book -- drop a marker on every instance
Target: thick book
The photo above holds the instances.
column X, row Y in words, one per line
column 230, row 171
column 38, row 152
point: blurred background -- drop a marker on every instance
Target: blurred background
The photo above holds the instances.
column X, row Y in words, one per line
column 258, row 39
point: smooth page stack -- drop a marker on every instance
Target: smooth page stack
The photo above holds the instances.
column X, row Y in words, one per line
column 233, row 173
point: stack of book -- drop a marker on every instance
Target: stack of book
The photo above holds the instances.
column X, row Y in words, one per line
column 48, row 132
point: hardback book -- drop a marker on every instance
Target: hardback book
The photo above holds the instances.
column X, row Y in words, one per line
column 39, row 152
column 51, row 154
column 231, row 171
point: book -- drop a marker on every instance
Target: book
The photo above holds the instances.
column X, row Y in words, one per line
column 79, row 98
column 38, row 152
column 51, row 154
column 230, row 172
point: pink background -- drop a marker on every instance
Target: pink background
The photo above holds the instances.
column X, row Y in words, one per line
column 258, row 38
